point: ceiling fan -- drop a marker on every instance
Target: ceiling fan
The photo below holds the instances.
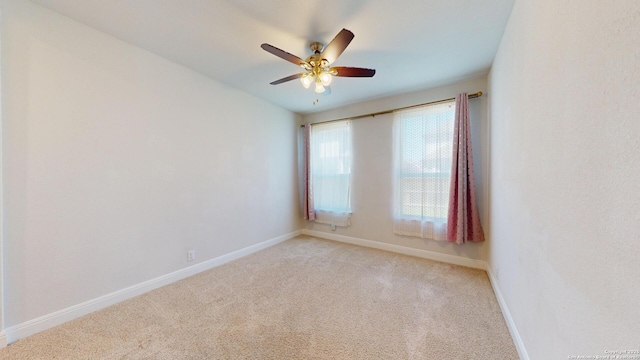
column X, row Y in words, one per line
column 317, row 66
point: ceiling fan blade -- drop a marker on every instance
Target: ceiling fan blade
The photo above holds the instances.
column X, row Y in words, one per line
column 283, row 54
column 288, row 78
column 337, row 46
column 346, row 71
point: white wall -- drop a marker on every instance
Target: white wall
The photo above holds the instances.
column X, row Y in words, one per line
column 117, row 161
column 372, row 168
column 3, row 335
column 565, row 175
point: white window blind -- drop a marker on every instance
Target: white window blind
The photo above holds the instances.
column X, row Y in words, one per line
column 331, row 172
column 423, row 148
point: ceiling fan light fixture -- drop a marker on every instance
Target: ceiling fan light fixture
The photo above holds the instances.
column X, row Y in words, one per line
column 317, row 66
column 319, row 87
column 306, row 80
column 325, row 78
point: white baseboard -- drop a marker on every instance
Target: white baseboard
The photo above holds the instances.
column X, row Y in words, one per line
column 45, row 322
column 511, row 325
column 425, row 254
column 3, row 339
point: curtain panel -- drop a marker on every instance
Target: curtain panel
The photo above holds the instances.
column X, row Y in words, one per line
column 434, row 188
column 422, row 164
column 463, row 219
column 307, row 181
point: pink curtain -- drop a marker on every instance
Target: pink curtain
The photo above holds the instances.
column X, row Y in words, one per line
column 309, row 213
column 463, row 221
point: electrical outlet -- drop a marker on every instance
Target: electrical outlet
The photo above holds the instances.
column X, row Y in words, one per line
column 191, row 255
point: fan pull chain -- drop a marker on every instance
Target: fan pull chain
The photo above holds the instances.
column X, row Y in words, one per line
column 316, row 101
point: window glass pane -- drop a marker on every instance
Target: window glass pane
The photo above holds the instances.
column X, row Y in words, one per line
column 331, row 166
column 424, row 149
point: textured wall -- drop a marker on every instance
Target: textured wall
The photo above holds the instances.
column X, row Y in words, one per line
column 565, row 175
column 3, row 339
column 117, row 161
column 372, row 189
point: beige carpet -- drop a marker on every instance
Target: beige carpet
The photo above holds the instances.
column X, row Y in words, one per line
column 305, row 298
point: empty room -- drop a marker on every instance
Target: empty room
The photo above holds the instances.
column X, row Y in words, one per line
column 279, row 179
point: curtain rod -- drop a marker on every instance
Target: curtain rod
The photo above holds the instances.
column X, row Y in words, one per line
column 470, row 96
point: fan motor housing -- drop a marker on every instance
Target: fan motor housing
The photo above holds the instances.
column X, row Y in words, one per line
column 316, row 47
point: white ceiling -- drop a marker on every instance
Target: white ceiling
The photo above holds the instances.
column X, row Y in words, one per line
column 412, row 44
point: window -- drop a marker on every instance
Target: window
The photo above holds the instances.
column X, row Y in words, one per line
column 423, row 149
column 331, row 171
